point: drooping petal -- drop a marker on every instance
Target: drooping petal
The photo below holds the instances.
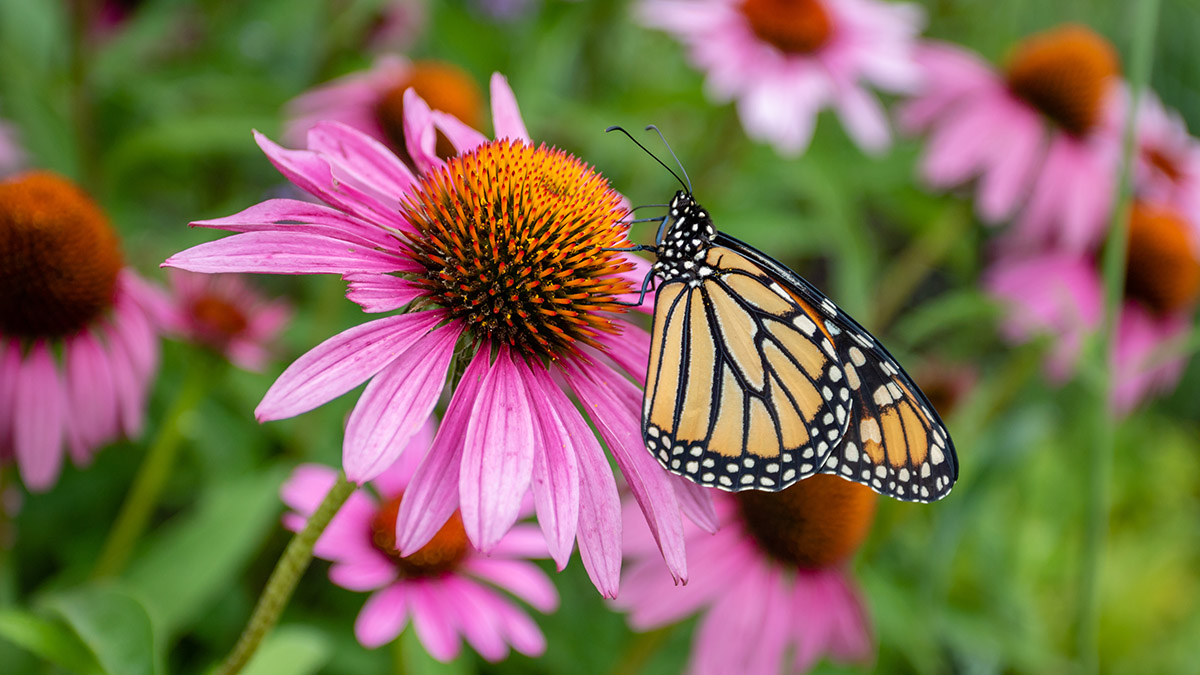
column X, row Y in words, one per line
column 433, row 621
column 497, row 454
column 599, row 528
column 380, row 292
column 519, row 577
column 382, row 617
column 506, row 116
column 432, row 494
column 602, row 392
column 341, row 363
column 267, row 252
column 396, row 403
column 306, row 487
column 697, row 503
column 90, row 395
column 555, row 466
column 294, row 216
column 312, row 172
column 363, row 157
column 630, row 349
column 39, row 424
column 394, row 479
column 363, row 574
column 473, row 606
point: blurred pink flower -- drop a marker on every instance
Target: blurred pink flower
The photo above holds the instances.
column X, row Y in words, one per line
column 772, row 581
column 446, row 589
column 524, row 305
column 784, row 62
column 224, row 313
column 1061, row 295
column 397, row 25
column 372, row 101
column 78, row 333
column 1033, row 135
column 1168, row 158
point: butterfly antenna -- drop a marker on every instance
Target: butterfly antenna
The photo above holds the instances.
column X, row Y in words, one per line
column 687, row 185
column 650, row 127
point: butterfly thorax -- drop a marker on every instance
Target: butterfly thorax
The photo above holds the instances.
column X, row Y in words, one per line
column 684, row 239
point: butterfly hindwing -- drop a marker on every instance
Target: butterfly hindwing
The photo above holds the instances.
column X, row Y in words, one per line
column 745, row 389
column 895, row 442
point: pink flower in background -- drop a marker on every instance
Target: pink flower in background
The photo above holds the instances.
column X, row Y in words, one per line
column 524, row 305
column 224, row 313
column 1168, row 158
column 773, row 581
column 372, row 101
column 397, row 25
column 446, row 589
column 1033, row 136
column 78, row 340
column 783, row 62
column 1061, row 295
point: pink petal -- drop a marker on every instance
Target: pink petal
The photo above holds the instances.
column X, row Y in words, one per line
column 420, row 136
column 341, row 363
column 395, row 478
column 522, row 541
column 383, row 616
column 380, row 292
column 473, row 606
column 348, row 538
column 864, row 118
column 432, row 494
column 523, row 579
column 497, row 454
column 522, row 632
column 599, row 529
column 620, row 428
column 286, row 253
column 363, row 574
column 434, row 621
column 629, row 349
column 304, row 490
column 396, row 403
column 555, row 467
column 366, row 159
column 90, row 395
column 1002, row 187
column 312, row 172
column 130, row 393
column 39, row 419
column 697, row 503
column 462, row 137
column 290, row 215
column 506, row 116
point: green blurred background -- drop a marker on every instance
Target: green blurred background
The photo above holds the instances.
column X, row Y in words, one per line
column 985, row 581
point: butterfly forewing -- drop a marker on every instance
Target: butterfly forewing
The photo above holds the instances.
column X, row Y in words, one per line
column 745, row 389
column 895, row 442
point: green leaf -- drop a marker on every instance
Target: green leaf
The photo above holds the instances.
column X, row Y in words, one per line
column 197, row 556
column 294, row 649
column 115, row 626
column 50, row 640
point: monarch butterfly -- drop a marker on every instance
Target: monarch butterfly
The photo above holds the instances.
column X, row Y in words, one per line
column 757, row 380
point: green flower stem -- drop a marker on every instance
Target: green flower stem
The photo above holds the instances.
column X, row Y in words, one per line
column 147, row 488
column 284, row 578
column 1145, row 22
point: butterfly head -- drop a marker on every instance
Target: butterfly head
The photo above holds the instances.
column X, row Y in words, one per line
column 684, row 238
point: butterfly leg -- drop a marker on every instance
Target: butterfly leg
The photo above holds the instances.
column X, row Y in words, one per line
column 647, row 284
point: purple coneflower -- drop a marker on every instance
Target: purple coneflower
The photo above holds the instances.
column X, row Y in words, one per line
column 1034, row 136
column 446, row 589
column 1061, row 295
column 224, row 313
column 78, row 345
column 772, row 581
column 783, row 62
column 499, row 255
